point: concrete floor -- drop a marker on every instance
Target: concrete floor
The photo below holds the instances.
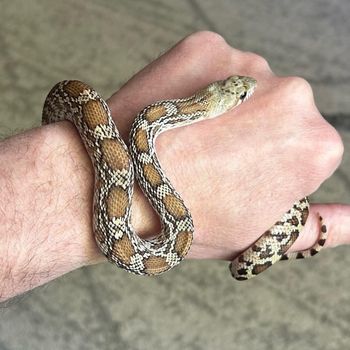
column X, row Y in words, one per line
column 298, row 306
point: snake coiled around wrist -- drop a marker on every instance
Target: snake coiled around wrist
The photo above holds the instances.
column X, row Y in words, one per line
column 116, row 166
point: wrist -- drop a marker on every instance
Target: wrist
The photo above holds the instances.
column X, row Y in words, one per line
column 73, row 181
column 72, row 175
column 66, row 166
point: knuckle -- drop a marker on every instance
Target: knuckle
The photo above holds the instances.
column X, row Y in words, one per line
column 333, row 146
column 299, row 87
column 330, row 150
column 256, row 62
column 207, row 40
column 205, row 49
column 207, row 36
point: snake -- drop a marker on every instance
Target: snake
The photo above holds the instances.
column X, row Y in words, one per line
column 117, row 166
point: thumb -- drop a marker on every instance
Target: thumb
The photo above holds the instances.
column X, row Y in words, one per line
column 336, row 217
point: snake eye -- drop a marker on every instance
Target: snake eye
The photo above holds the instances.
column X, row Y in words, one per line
column 243, row 96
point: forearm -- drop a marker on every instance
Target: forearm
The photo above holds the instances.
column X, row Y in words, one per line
column 46, row 181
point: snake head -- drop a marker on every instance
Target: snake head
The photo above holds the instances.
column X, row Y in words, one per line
column 229, row 93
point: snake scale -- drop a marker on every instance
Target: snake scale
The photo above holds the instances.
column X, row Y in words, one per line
column 116, row 165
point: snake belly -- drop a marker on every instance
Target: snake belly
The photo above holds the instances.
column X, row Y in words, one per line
column 116, row 165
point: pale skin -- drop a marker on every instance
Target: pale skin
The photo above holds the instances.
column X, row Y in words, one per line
column 237, row 173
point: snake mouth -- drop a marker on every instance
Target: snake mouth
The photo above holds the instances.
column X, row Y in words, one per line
column 249, row 85
column 246, row 95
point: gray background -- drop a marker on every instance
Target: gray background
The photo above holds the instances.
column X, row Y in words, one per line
column 197, row 306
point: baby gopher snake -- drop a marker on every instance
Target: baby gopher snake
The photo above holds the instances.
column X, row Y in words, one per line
column 115, row 164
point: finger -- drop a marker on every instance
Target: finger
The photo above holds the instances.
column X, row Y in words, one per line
column 336, row 217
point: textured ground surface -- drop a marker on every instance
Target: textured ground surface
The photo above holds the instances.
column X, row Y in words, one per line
column 299, row 306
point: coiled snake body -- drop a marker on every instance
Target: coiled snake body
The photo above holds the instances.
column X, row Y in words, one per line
column 115, row 163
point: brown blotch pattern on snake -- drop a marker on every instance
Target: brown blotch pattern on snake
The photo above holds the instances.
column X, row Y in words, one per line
column 152, row 175
column 174, row 206
column 261, row 267
column 155, row 112
column 183, row 243
column 75, row 88
column 117, row 202
column 141, row 140
column 123, row 249
column 114, row 154
column 94, row 114
column 155, row 264
column 292, row 238
column 190, row 108
column 304, row 216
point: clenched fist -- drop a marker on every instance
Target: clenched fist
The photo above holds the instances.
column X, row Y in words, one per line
column 240, row 172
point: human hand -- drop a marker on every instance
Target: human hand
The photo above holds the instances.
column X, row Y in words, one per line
column 237, row 173
column 240, row 172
